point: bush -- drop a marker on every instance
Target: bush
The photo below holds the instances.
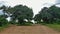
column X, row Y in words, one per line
column 13, row 22
column 3, row 21
column 25, row 23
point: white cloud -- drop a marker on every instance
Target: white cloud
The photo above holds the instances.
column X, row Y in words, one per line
column 36, row 5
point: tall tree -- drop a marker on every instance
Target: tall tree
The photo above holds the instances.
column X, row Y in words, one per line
column 49, row 14
column 21, row 12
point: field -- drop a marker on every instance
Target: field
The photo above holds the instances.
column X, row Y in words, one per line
column 54, row 26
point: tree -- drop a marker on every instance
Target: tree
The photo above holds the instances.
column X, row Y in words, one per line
column 49, row 15
column 55, row 11
column 21, row 12
column 44, row 15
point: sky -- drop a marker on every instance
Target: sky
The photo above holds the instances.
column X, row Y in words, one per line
column 36, row 5
column 1, row 12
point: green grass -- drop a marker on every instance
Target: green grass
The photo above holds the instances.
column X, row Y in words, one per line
column 3, row 27
column 54, row 26
column 24, row 24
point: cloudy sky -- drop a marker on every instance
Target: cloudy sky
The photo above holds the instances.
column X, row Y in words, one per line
column 36, row 5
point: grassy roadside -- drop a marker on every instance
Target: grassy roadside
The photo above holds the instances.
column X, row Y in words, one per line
column 3, row 27
column 54, row 26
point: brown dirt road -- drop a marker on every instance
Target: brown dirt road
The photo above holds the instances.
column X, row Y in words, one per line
column 36, row 29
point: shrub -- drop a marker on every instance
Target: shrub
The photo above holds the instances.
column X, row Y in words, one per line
column 25, row 23
column 3, row 21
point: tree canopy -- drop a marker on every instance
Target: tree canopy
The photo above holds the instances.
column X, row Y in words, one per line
column 48, row 15
column 19, row 12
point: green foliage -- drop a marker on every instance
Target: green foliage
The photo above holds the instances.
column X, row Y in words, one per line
column 25, row 24
column 21, row 12
column 13, row 22
column 3, row 21
column 54, row 26
column 48, row 15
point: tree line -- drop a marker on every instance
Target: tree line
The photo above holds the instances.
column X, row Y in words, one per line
column 20, row 12
column 49, row 15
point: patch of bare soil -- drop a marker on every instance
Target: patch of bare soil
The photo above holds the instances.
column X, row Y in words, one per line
column 35, row 29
